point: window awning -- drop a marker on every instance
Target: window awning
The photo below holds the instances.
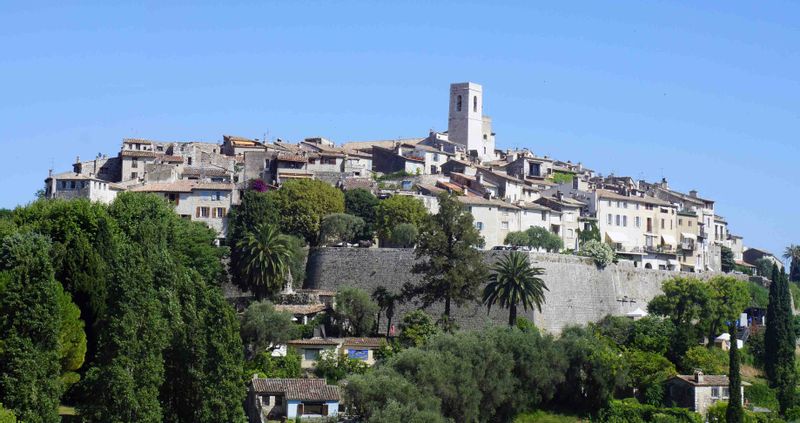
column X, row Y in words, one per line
column 615, row 237
column 687, row 235
column 668, row 239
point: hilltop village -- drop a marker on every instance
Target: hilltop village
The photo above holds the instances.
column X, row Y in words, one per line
column 466, row 284
column 645, row 222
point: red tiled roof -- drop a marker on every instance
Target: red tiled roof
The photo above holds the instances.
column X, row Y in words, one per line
column 137, row 153
column 363, row 342
column 171, row 159
column 301, row 308
column 292, row 158
column 315, row 341
column 298, row 389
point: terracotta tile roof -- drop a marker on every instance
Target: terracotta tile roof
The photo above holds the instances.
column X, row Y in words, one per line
column 136, row 141
column 708, row 380
column 480, row 201
column 298, row 389
column 182, row 186
column 207, row 171
column 171, row 159
column 360, row 145
column 502, row 175
column 301, row 308
column 316, row 341
column 285, row 157
column 601, row 193
column 363, row 342
column 137, row 153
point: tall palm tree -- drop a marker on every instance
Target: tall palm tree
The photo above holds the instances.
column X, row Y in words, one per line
column 386, row 303
column 266, row 254
column 792, row 252
column 514, row 281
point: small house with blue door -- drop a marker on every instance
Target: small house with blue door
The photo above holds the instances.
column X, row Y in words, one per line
column 273, row 399
column 312, row 349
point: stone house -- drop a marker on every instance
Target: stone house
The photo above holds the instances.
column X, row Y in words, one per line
column 698, row 392
column 69, row 185
column 570, row 210
column 273, row 399
column 311, row 350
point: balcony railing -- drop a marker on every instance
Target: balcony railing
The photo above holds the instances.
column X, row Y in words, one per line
column 687, row 245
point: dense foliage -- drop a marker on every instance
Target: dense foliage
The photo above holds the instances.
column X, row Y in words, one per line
column 537, row 238
column 149, row 336
column 600, row 252
column 395, row 210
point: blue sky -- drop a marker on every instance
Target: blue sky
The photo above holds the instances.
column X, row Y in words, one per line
column 703, row 94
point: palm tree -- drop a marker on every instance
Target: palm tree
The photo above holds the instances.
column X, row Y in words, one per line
column 386, row 302
column 266, row 254
column 514, row 281
column 792, row 252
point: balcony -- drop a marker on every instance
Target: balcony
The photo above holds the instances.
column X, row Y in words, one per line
column 659, row 249
column 687, row 245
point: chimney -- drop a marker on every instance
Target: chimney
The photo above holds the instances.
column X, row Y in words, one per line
column 559, row 195
column 698, row 376
column 77, row 159
column 479, row 178
column 693, row 193
column 664, row 184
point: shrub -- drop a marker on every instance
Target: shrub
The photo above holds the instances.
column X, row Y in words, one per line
column 601, row 253
column 712, row 361
column 404, row 235
column 537, row 238
column 340, row 227
column 630, row 411
column 761, row 395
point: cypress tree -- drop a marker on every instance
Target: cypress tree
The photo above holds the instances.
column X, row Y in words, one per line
column 786, row 375
column 774, row 330
column 734, row 413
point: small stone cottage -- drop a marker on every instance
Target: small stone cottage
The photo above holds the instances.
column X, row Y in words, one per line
column 274, row 399
column 698, row 392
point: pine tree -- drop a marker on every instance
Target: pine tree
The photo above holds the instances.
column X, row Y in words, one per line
column 774, row 330
column 786, row 350
column 734, row 413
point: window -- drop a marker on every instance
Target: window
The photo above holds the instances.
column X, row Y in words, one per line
column 504, row 225
column 544, row 215
column 134, row 175
column 278, row 400
column 436, row 157
column 475, row 104
column 715, row 392
column 662, row 223
column 479, row 226
column 726, row 392
column 216, row 196
column 202, row 212
column 134, row 163
column 310, row 355
column 609, row 218
column 314, row 408
column 219, row 212
column 624, row 204
column 609, row 203
column 189, row 161
column 625, row 221
column 670, row 224
column 312, row 161
column 71, row 184
column 617, row 204
column 458, row 103
column 328, row 160
column 637, row 222
column 636, row 206
column 690, row 223
column 680, row 222
column 617, row 220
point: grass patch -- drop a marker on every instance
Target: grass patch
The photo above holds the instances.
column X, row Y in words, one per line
column 64, row 410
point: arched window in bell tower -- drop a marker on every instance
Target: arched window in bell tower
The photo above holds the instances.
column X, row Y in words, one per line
column 458, row 104
column 475, row 104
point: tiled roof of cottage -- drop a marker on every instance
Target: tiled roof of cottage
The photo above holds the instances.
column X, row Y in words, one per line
column 601, row 193
column 182, row 186
column 363, row 342
column 207, row 171
column 298, row 389
column 708, row 380
column 137, row 153
column 171, row 159
column 287, row 157
column 301, row 308
column 480, row 201
column 316, row 341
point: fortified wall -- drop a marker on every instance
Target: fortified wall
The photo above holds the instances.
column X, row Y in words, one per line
column 579, row 292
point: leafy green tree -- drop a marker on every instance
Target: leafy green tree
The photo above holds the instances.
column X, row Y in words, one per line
column 266, row 254
column 333, row 366
column 267, row 366
column 7, row 416
column 513, row 281
column 711, row 361
column 590, row 232
column 395, row 210
column 386, row 301
column 645, row 373
column 355, row 311
column 372, row 393
column 683, row 303
column 302, row 203
column 734, row 413
column 600, row 252
column 727, row 299
column 396, row 412
column 30, row 326
column 255, row 208
column 404, row 235
column 792, row 253
column 340, row 227
column 416, row 329
column 616, row 328
column 764, row 267
column 452, row 268
column 651, row 334
column 362, row 203
column 264, row 328
column 728, row 263
column 537, row 238
column 71, row 338
column 593, row 368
